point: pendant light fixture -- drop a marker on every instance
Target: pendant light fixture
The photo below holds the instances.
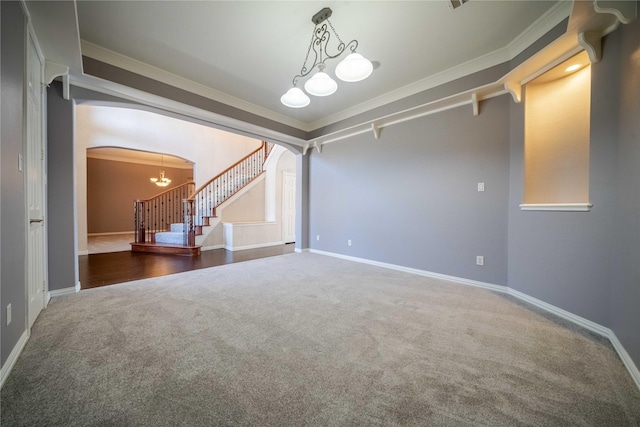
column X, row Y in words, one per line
column 353, row 68
column 162, row 181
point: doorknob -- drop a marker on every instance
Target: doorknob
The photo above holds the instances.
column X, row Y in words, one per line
column 31, row 221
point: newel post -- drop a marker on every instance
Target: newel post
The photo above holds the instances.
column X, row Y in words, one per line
column 138, row 219
column 189, row 229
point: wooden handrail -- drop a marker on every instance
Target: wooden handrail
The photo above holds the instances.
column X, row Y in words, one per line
column 262, row 147
column 177, row 187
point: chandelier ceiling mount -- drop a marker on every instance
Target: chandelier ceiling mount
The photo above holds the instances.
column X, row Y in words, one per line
column 353, row 68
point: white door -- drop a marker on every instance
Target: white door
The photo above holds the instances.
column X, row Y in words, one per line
column 288, row 207
column 35, row 175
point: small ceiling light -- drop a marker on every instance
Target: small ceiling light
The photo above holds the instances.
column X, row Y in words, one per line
column 321, row 84
column 162, row 181
column 571, row 68
column 352, row 69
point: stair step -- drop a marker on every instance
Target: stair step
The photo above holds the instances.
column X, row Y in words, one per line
column 170, row 237
column 177, row 227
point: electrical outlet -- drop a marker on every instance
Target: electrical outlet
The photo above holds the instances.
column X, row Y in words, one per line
column 8, row 314
column 318, row 237
column 479, row 260
column 349, row 242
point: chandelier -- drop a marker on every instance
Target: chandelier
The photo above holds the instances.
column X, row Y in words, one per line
column 353, row 68
column 162, row 181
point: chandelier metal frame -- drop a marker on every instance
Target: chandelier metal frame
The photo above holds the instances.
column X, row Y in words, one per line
column 353, row 68
column 320, row 39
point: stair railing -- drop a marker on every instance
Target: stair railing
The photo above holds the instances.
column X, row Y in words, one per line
column 157, row 213
column 203, row 203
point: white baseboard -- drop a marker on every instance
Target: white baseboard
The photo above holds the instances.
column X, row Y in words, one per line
column 114, row 233
column 581, row 321
column 626, row 359
column 210, row 248
column 13, row 357
column 260, row 245
column 468, row 282
column 573, row 318
column 64, row 291
column 301, row 251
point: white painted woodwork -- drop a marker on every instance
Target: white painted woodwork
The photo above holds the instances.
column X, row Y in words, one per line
column 399, row 75
column 591, row 41
column 558, row 207
column 288, row 207
column 35, row 184
column 250, row 235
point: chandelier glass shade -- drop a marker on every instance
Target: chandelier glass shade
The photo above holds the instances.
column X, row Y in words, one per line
column 353, row 68
column 321, row 84
column 162, row 181
column 295, row 98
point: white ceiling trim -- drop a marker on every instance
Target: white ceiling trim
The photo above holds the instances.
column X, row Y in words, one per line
column 555, row 15
column 221, row 122
column 470, row 97
column 540, row 27
column 91, row 154
column 546, row 22
column 116, row 59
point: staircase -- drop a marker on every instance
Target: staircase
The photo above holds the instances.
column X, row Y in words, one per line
column 169, row 222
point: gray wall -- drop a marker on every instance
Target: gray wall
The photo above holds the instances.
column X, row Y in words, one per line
column 60, row 190
column 113, row 186
column 13, row 228
column 410, row 198
column 625, row 280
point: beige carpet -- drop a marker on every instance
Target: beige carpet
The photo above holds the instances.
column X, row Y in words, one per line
column 308, row 340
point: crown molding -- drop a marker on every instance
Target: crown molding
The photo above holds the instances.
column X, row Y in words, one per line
column 555, row 15
column 138, row 161
column 116, row 59
column 221, row 122
column 541, row 26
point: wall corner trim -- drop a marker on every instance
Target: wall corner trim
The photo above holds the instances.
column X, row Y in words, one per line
column 64, row 291
column 573, row 318
column 13, row 357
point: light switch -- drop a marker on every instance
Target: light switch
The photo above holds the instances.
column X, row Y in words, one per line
column 481, row 186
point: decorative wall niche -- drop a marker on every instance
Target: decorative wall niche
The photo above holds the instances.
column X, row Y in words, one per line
column 556, row 155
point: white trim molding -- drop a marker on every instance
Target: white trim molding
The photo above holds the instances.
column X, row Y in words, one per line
column 211, row 248
column 116, row 59
column 64, row 291
column 564, row 314
column 13, row 357
column 558, row 207
column 222, row 122
column 111, row 233
column 454, row 279
column 256, row 246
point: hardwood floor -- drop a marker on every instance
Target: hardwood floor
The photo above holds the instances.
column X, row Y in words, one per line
column 117, row 267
